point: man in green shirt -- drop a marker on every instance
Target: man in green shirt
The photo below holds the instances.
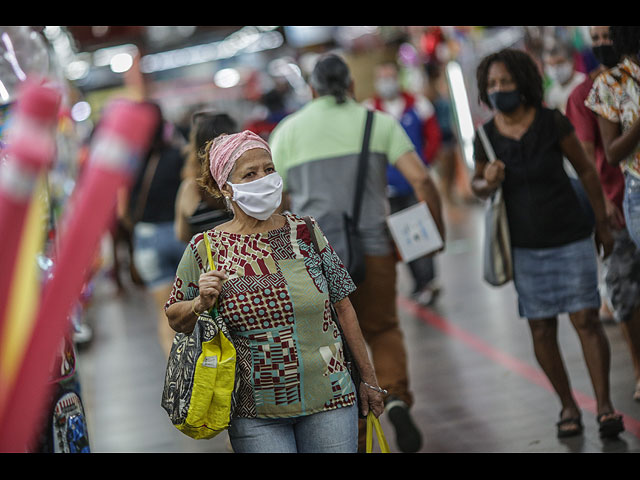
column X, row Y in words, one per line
column 316, row 151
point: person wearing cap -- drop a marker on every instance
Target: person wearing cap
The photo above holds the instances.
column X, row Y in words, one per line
column 273, row 290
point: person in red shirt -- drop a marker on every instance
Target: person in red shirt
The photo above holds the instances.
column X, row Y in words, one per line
column 622, row 267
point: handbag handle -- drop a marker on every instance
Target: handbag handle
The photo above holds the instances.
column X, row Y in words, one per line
column 486, row 144
column 491, row 155
column 374, row 424
column 141, row 201
column 212, row 267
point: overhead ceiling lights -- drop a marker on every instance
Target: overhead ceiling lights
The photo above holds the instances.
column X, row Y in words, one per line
column 245, row 40
column 119, row 59
column 226, row 78
column 121, row 62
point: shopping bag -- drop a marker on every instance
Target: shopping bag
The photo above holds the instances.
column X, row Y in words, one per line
column 200, row 376
column 374, row 424
column 414, row 232
column 497, row 261
column 498, row 267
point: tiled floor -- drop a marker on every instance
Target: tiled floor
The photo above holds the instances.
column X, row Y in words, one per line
column 477, row 386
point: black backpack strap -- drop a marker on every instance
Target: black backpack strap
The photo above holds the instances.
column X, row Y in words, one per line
column 362, row 169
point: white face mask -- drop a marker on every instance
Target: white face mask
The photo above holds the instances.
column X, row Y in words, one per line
column 387, row 88
column 260, row 198
column 561, row 73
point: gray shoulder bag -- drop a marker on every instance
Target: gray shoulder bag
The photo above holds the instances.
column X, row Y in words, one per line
column 497, row 261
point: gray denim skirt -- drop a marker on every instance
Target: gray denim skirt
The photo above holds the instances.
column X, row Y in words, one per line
column 552, row 281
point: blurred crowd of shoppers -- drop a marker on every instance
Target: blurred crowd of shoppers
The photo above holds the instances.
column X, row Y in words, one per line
column 568, row 150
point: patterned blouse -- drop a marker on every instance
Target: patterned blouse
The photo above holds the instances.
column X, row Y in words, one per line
column 615, row 96
column 276, row 304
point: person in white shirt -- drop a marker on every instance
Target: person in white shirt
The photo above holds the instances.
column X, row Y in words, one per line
column 560, row 67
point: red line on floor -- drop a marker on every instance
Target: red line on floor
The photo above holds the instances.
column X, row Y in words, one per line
column 532, row 374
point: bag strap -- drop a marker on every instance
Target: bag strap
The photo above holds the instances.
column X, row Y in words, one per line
column 312, row 232
column 374, row 424
column 486, row 144
column 212, row 266
column 141, row 201
column 362, row 168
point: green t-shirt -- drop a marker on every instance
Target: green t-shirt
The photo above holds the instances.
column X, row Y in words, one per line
column 316, row 150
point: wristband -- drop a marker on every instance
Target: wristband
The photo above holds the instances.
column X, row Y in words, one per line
column 376, row 388
column 193, row 308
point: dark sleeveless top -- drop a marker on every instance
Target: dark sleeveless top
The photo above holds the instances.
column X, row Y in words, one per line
column 206, row 217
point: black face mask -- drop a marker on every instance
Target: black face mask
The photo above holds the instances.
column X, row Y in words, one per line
column 506, row 102
column 606, row 55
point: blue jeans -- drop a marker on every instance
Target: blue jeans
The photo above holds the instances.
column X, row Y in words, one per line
column 157, row 252
column 333, row 431
column 631, row 206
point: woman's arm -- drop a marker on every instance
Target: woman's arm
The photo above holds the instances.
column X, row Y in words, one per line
column 487, row 177
column 618, row 144
column 183, row 315
column 615, row 216
column 187, row 200
column 415, row 172
column 371, row 399
column 587, row 173
column 590, row 180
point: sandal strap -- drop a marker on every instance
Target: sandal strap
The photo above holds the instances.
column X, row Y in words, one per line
column 573, row 420
column 613, row 417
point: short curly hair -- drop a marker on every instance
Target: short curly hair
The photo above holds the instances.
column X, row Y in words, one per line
column 523, row 70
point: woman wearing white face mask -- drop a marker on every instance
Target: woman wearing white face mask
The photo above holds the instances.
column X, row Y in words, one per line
column 293, row 391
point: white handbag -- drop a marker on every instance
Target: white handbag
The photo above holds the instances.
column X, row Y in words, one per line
column 498, row 266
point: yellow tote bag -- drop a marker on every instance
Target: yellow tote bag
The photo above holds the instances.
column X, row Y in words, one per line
column 374, row 424
column 200, row 376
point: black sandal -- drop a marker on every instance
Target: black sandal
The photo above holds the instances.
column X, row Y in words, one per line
column 610, row 427
column 576, row 427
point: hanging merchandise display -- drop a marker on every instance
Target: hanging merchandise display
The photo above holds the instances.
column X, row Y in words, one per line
column 36, row 159
column 51, row 225
column 123, row 136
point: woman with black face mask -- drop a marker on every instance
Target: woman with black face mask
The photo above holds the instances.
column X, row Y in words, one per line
column 551, row 234
column 621, row 270
column 615, row 98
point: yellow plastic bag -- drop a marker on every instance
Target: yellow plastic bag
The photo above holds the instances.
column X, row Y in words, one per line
column 200, row 376
column 374, row 424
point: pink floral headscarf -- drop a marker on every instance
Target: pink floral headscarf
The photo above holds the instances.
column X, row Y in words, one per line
column 226, row 149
